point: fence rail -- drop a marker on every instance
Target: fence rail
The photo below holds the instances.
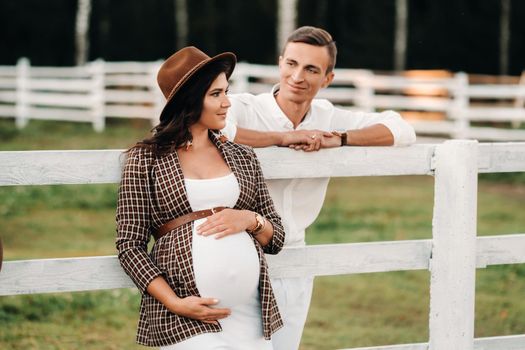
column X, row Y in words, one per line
column 452, row 255
column 99, row 90
column 104, row 272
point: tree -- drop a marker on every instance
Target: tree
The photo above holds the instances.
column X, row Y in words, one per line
column 287, row 20
column 181, row 23
column 82, row 32
column 504, row 37
column 400, row 45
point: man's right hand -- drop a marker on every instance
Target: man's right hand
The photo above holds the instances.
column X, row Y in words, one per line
column 305, row 140
column 199, row 309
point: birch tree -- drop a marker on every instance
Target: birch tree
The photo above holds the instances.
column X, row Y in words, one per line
column 82, row 32
column 504, row 38
column 401, row 33
column 287, row 20
column 181, row 23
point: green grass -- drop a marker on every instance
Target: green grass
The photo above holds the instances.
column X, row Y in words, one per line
column 52, row 221
column 88, row 320
column 346, row 311
column 390, row 308
column 42, row 135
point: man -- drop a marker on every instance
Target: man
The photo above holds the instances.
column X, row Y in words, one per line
column 290, row 116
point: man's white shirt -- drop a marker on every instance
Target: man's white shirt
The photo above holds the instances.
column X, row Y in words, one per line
column 299, row 201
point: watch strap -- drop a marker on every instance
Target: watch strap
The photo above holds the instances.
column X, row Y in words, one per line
column 343, row 135
column 259, row 226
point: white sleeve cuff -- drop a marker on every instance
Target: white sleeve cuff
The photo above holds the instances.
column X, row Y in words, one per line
column 403, row 132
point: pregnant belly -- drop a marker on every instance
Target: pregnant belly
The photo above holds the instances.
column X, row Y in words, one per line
column 226, row 269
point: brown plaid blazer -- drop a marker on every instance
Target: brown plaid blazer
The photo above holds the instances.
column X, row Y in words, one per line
column 151, row 192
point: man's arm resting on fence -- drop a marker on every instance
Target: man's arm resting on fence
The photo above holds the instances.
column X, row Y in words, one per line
column 255, row 138
column 386, row 128
column 374, row 135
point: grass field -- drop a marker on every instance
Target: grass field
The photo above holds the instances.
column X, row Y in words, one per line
column 347, row 311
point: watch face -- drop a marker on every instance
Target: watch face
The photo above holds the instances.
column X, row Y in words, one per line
column 260, row 220
column 260, row 225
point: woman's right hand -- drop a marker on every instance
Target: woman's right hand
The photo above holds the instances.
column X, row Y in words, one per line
column 192, row 307
column 199, row 309
column 227, row 222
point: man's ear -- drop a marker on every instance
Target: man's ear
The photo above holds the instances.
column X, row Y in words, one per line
column 279, row 61
column 328, row 79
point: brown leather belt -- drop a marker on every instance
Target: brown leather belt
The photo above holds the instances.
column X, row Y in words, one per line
column 181, row 220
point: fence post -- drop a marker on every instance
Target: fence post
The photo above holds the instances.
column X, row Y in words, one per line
column 22, row 92
column 97, row 94
column 453, row 262
column 519, row 102
column 240, row 78
column 460, row 105
column 365, row 92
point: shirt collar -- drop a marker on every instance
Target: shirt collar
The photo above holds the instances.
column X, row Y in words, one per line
column 278, row 112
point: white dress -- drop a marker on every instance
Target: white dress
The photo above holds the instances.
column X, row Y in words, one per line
column 226, row 269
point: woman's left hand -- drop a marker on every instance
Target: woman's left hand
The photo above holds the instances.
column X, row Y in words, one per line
column 227, row 222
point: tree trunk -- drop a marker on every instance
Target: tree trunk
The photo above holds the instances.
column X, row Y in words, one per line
column 82, row 32
column 504, row 38
column 400, row 45
column 287, row 20
column 181, row 23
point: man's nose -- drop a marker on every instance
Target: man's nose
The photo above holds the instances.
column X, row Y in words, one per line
column 297, row 76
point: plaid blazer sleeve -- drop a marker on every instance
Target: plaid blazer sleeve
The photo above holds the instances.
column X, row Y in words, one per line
column 266, row 208
column 134, row 220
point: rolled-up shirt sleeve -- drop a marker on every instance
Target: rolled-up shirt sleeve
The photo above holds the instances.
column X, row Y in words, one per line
column 230, row 130
column 240, row 114
column 402, row 131
column 134, row 222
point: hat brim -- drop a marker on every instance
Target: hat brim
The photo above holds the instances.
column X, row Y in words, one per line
column 228, row 57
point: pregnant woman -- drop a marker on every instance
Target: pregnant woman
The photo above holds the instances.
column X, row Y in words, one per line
column 205, row 283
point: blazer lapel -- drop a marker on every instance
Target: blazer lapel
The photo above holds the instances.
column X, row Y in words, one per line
column 241, row 175
column 172, row 187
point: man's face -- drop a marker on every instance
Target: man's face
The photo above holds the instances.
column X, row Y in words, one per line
column 303, row 71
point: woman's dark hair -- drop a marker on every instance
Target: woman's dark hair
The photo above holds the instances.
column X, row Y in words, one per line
column 182, row 111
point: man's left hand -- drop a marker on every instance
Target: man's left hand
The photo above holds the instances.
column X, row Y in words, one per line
column 316, row 139
column 331, row 142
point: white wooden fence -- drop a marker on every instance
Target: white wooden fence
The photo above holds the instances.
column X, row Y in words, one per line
column 452, row 255
column 451, row 95
column 101, row 89
column 88, row 93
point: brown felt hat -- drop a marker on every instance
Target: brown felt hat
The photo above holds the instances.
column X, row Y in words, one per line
column 183, row 64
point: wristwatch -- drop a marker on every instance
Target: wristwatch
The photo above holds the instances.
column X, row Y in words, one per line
column 343, row 135
column 259, row 226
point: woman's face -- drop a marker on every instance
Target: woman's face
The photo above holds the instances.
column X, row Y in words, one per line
column 215, row 104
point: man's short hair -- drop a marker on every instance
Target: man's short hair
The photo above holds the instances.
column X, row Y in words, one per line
column 317, row 37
